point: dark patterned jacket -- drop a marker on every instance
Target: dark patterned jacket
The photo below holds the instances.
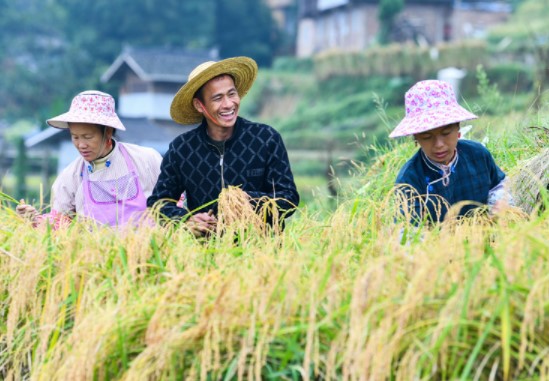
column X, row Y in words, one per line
column 255, row 159
column 471, row 179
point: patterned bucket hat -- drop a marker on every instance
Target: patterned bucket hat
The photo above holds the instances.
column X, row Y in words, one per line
column 430, row 104
column 242, row 69
column 91, row 106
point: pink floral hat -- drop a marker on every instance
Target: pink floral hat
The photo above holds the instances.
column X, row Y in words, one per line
column 430, row 104
column 90, row 106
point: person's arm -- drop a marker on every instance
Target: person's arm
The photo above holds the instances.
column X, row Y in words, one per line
column 149, row 168
column 499, row 196
column 63, row 191
column 279, row 178
column 63, row 203
column 169, row 187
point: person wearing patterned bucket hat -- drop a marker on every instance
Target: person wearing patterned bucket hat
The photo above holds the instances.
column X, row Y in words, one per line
column 110, row 181
column 446, row 170
column 224, row 150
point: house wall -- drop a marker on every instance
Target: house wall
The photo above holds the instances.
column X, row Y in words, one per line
column 354, row 26
column 430, row 21
column 475, row 23
column 344, row 28
column 279, row 9
column 140, row 99
column 166, row 87
column 145, row 105
column 132, row 84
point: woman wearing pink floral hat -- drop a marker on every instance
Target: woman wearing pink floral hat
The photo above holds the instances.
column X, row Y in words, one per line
column 446, row 169
column 110, row 181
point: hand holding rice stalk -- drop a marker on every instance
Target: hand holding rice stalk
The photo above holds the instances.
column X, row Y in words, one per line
column 26, row 211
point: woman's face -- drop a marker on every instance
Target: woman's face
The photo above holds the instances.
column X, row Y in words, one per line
column 440, row 143
column 89, row 140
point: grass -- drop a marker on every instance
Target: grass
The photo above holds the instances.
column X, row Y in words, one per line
column 322, row 299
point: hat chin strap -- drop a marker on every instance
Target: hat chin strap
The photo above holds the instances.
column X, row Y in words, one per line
column 206, row 113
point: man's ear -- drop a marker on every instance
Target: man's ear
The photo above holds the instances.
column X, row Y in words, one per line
column 198, row 106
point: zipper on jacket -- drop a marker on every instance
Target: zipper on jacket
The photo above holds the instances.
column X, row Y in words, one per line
column 221, row 156
column 221, row 165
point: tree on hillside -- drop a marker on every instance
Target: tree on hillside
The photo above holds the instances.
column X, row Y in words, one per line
column 527, row 33
column 97, row 31
column 387, row 13
column 100, row 28
column 246, row 27
column 50, row 50
column 29, row 39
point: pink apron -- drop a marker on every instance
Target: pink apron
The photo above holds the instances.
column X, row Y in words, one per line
column 114, row 202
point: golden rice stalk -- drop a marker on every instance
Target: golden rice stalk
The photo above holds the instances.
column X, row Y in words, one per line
column 237, row 214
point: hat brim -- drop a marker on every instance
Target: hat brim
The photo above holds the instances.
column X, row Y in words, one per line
column 242, row 69
column 62, row 121
column 430, row 120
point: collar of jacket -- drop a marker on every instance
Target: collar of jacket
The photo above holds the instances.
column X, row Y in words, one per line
column 236, row 131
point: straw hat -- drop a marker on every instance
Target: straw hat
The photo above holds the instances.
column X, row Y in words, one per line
column 242, row 69
column 90, row 106
column 430, row 104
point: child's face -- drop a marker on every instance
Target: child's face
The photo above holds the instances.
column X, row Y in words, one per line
column 440, row 143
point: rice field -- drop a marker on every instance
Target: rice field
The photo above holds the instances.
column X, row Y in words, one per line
column 335, row 296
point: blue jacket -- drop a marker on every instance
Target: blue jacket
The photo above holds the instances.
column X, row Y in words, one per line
column 472, row 178
column 255, row 159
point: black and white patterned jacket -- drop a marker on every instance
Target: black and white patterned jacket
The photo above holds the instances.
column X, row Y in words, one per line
column 255, row 159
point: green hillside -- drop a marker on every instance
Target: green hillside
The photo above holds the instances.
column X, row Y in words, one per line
column 333, row 125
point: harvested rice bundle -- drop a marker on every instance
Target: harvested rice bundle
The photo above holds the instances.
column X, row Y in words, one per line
column 238, row 212
column 529, row 180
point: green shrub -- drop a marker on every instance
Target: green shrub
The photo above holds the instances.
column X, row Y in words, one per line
column 400, row 60
column 511, row 77
column 293, row 64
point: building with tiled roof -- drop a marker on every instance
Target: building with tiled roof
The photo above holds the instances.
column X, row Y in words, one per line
column 353, row 25
column 147, row 80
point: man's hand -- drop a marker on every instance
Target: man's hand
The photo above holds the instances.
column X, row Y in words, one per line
column 202, row 224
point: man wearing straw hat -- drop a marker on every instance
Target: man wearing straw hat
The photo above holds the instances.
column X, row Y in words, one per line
column 224, row 150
